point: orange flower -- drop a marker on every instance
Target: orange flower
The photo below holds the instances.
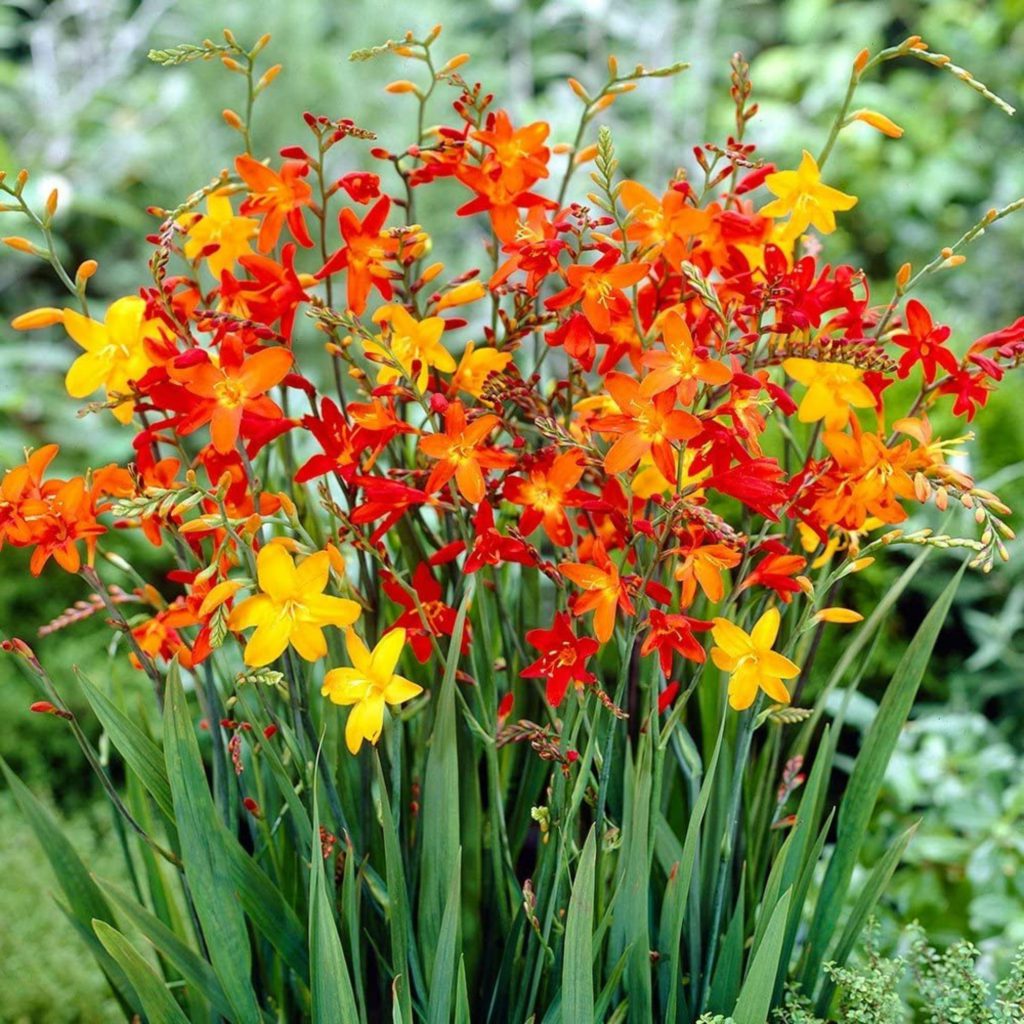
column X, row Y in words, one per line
column 462, row 453
column 661, row 227
column 364, row 254
column 232, row 389
column 278, row 198
column 599, row 289
column 603, row 591
column 550, row 489
column 644, row 425
column 682, row 365
column 703, row 564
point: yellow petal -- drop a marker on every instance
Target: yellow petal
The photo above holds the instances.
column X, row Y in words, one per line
column 251, row 612
column 276, row 572
column 400, row 689
column 311, row 573
column 308, row 639
column 268, row 642
column 766, row 630
column 386, row 655
column 365, row 721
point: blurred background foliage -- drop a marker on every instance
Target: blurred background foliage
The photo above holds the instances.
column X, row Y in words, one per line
column 83, row 109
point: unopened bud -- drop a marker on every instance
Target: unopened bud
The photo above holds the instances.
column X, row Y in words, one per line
column 232, row 120
column 401, row 85
column 861, row 60
column 268, row 76
column 46, row 316
column 879, row 122
column 86, row 269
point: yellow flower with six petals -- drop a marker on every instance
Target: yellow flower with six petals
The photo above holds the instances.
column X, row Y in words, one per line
column 369, row 685
column 115, row 351
column 750, row 660
column 802, row 195
column 415, row 345
column 292, row 608
column 832, row 389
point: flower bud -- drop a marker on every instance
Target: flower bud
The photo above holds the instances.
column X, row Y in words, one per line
column 45, row 316
column 86, row 269
column 838, row 615
column 879, row 122
column 232, row 120
column 401, row 85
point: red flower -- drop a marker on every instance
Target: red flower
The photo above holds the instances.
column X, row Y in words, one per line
column 425, row 615
column 924, row 343
column 668, row 634
column 599, row 289
column 492, row 547
column 563, row 658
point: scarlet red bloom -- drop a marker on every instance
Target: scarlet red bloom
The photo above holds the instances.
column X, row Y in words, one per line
column 563, row 659
column 925, row 344
column 670, row 634
column 425, row 615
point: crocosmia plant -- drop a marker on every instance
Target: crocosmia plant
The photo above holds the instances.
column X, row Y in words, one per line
column 481, row 680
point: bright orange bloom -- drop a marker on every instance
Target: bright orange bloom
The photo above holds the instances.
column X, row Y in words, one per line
column 520, row 153
column 866, row 478
column 598, row 288
column 462, row 453
column 547, row 493
column 662, row 227
column 644, row 425
column 236, row 387
column 364, row 255
column 704, row 565
column 603, row 591
column 278, row 198
column 681, row 365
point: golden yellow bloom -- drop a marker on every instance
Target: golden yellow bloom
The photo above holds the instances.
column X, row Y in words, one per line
column 414, row 344
column 219, row 226
column 369, row 685
column 750, row 660
column 832, row 389
column 802, row 195
column 292, row 608
column 475, row 366
column 115, row 350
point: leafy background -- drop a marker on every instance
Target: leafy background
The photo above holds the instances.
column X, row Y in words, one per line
column 85, row 112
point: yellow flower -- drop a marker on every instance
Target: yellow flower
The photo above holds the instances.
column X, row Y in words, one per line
column 802, row 194
column 369, row 685
column 414, row 344
column 832, row 389
column 750, row 660
column 115, row 351
column 220, row 227
column 475, row 366
column 292, row 608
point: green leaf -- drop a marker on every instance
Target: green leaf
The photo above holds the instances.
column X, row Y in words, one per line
column 462, row 1011
column 442, row 978
column 85, row 900
column 631, row 921
column 331, row 986
column 755, row 999
column 196, row 971
column 729, row 965
column 207, row 864
column 865, row 782
column 578, row 955
column 677, row 890
column 140, row 753
column 398, row 902
column 440, row 817
column 158, row 1004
